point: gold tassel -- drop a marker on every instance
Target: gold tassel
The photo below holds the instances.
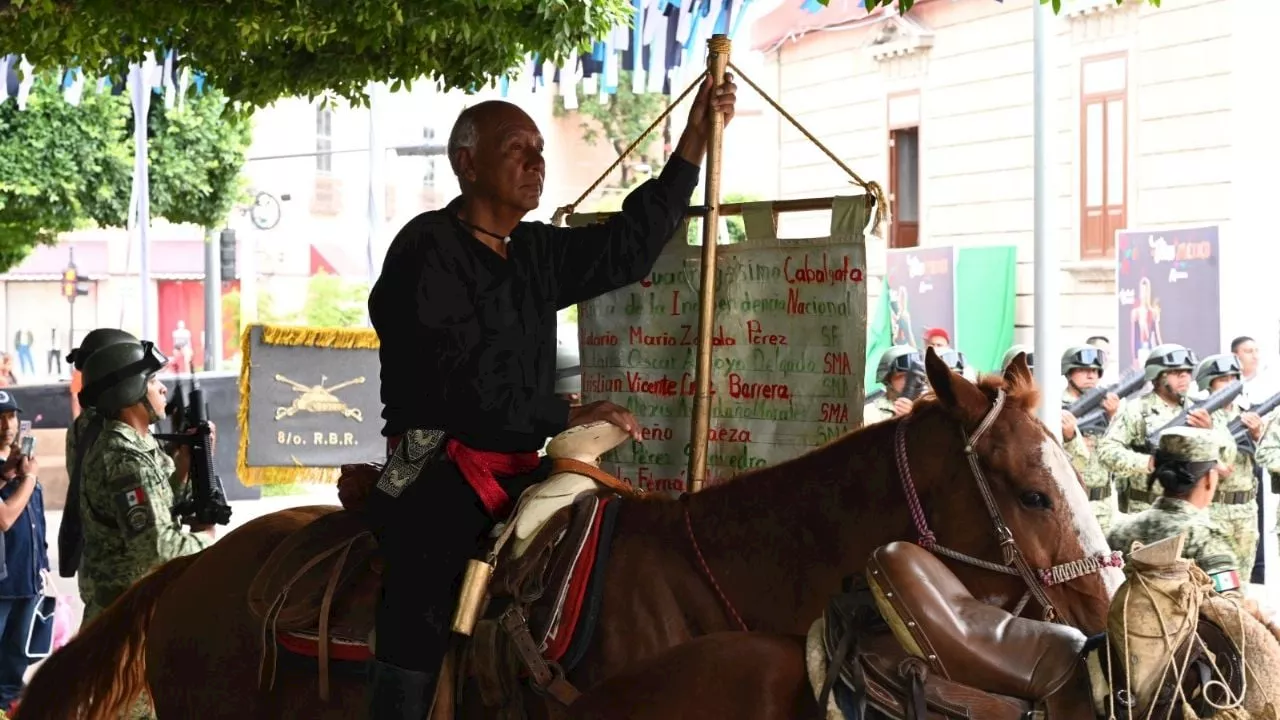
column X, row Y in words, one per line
column 242, row 414
column 293, row 336
column 297, row 336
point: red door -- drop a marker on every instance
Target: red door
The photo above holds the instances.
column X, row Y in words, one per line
column 181, row 301
column 230, row 319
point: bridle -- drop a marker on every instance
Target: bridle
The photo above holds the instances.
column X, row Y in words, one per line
column 1014, row 562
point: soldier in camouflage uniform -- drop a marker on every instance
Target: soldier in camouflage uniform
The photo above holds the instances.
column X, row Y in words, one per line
column 70, row 531
column 1082, row 367
column 1235, row 506
column 1168, row 369
column 891, row 372
column 95, row 340
column 1188, row 467
column 127, row 497
column 1268, row 453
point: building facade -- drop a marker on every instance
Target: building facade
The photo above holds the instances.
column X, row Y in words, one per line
column 1155, row 121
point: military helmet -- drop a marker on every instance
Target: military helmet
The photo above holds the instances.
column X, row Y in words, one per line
column 954, row 360
column 115, row 376
column 1013, row 353
column 899, row 358
column 1169, row 356
column 1216, row 366
column 95, row 340
column 1083, row 357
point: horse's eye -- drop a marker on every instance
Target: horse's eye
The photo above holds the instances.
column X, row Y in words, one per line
column 1036, row 501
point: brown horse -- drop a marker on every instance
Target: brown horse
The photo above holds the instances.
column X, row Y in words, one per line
column 763, row 552
column 739, row 675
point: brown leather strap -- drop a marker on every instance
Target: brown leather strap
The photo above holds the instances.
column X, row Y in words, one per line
column 547, row 677
column 1239, row 497
column 1100, row 493
column 915, row 673
column 326, row 605
column 269, row 620
column 577, row 467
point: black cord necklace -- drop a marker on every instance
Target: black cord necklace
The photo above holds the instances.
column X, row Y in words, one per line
column 476, row 228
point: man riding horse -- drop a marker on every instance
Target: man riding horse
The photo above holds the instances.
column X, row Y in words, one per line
column 465, row 311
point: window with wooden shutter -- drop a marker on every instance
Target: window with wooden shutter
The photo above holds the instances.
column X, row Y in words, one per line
column 1104, row 147
column 904, row 187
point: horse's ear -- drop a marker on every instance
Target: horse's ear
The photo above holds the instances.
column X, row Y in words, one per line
column 1018, row 373
column 962, row 398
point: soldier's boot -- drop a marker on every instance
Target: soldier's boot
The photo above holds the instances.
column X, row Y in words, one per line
column 395, row 693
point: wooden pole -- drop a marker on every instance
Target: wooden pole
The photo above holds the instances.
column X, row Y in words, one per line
column 718, row 48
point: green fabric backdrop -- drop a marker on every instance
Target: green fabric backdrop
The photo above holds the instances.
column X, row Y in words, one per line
column 986, row 289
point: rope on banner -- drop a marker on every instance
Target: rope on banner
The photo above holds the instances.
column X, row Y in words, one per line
column 870, row 187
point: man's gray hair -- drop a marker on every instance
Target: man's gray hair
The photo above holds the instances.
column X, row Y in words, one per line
column 465, row 134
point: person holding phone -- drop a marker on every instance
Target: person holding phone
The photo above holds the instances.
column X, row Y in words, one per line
column 26, row 553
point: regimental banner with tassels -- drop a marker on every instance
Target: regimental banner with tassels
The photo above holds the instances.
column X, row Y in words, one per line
column 309, row 403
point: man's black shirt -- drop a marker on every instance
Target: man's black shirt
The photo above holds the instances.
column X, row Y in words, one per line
column 468, row 338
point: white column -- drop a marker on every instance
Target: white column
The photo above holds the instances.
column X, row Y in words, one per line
column 1047, row 257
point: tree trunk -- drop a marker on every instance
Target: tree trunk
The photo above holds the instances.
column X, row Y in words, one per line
column 620, row 147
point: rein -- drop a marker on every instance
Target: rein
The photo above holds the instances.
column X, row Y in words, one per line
column 1014, row 562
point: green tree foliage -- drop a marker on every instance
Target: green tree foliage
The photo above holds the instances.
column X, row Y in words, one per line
column 259, row 51
column 196, row 155
column 64, row 166
column 60, row 167
column 334, row 302
column 620, row 119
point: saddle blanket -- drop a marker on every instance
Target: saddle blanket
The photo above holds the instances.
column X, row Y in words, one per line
column 572, row 607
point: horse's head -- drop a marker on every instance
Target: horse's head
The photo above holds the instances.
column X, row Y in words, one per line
column 996, row 485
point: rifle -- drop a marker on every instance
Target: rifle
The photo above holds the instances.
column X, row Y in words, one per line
column 1091, row 419
column 1244, row 443
column 1211, row 404
column 207, row 502
column 1091, row 400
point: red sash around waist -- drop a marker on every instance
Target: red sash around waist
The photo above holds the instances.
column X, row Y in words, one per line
column 482, row 468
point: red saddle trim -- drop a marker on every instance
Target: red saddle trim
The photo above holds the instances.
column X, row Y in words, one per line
column 309, row 646
column 574, row 599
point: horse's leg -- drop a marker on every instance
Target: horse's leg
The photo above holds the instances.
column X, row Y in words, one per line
column 745, row 676
column 206, row 647
column 102, row 672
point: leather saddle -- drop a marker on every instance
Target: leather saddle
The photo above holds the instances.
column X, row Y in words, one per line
column 316, row 592
column 318, row 589
column 911, row 643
